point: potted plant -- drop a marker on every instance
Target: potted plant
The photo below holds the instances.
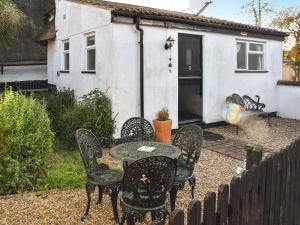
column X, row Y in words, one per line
column 163, row 126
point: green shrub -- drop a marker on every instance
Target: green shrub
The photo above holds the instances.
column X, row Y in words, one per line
column 25, row 141
column 59, row 103
column 92, row 112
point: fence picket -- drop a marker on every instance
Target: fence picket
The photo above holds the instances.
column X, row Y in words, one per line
column 177, row 217
column 194, row 213
column 234, row 201
column 222, row 207
column 261, row 189
column 209, row 211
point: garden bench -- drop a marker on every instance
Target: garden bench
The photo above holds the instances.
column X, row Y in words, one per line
column 250, row 105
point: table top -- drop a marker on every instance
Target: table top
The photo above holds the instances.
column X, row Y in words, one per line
column 128, row 152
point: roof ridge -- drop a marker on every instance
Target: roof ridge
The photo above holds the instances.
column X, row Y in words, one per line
column 137, row 9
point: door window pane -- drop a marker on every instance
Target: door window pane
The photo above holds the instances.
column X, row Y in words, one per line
column 241, row 55
column 188, row 57
column 91, row 59
column 255, row 62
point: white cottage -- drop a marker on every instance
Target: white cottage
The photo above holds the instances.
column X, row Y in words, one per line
column 126, row 51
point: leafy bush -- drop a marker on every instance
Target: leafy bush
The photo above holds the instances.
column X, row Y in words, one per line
column 92, row 112
column 59, row 103
column 25, row 141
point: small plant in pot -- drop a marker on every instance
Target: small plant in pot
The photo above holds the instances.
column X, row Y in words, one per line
column 163, row 126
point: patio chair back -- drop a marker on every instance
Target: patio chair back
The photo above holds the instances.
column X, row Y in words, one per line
column 90, row 149
column 137, row 129
column 189, row 139
column 147, row 181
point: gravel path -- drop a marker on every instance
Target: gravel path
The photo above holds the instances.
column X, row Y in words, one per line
column 66, row 207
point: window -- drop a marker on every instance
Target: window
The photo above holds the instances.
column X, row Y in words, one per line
column 250, row 56
column 90, row 53
column 66, row 55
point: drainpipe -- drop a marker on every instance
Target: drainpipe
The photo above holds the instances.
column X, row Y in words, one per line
column 137, row 22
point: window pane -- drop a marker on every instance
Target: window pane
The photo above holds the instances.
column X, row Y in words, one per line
column 241, row 55
column 67, row 61
column 66, row 46
column 188, row 57
column 90, row 41
column 91, row 59
column 256, row 62
column 256, row 47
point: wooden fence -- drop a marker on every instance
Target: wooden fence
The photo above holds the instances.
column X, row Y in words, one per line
column 267, row 194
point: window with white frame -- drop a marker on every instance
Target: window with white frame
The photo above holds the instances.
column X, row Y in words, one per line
column 66, row 55
column 90, row 53
column 250, row 56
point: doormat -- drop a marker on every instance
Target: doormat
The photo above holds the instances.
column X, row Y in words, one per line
column 210, row 136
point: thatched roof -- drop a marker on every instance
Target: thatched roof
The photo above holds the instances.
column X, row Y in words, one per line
column 22, row 47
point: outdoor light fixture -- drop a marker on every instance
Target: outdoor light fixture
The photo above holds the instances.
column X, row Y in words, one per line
column 169, row 43
column 168, row 46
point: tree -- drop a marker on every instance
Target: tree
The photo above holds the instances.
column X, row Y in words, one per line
column 11, row 18
column 288, row 20
column 257, row 8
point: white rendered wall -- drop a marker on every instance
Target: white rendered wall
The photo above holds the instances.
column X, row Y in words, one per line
column 288, row 101
column 23, row 73
column 117, row 65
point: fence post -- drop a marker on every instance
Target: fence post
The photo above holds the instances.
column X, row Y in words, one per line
column 209, row 211
column 254, row 155
column 194, row 213
column 177, row 217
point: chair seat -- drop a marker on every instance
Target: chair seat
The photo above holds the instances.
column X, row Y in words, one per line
column 183, row 174
column 106, row 177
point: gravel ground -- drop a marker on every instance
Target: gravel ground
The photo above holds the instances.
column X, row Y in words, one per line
column 66, row 207
column 281, row 133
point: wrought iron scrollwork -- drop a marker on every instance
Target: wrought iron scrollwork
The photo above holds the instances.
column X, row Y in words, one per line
column 99, row 174
column 145, row 186
column 137, row 129
column 189, row 139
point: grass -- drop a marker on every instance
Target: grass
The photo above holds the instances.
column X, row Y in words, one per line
column 66, row 170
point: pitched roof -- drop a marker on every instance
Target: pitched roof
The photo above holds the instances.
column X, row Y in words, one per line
column 133, row 10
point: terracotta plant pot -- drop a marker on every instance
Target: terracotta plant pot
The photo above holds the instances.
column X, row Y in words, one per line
column 163, row 130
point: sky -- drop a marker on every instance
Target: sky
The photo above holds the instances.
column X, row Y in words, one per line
column 223, row 9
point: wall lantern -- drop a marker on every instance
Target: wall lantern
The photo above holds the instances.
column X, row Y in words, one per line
column 169, row 43
column 168, row 46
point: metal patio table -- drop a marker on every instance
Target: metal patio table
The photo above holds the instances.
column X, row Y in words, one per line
column 128, row 152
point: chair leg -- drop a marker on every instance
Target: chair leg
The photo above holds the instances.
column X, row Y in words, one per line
column 269, row 122
column 100, row 189
column 130, row 220
column 90, row 188
column 114, row 202
column 192, row 183
column 123, row 219
column 237, row 130
column 173, row 195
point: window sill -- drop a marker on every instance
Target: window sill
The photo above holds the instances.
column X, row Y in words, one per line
column 251, row 71
column 289, row 83
column 89, row 72
column 64, row 71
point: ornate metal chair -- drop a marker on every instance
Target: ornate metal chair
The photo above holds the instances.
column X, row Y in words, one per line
column 189, row 139
column 145, row 186
column 137, row 129
column 98, row 174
